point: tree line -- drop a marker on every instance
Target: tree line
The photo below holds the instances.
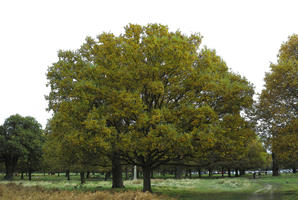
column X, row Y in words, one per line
column 155, row 99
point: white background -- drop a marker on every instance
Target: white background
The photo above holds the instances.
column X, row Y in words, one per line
column 247, row 34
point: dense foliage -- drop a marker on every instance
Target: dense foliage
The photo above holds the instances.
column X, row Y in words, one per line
column 277, row 108
column 21, row 141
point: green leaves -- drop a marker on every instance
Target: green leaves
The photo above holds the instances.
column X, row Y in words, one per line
column 147, row 95
column 277, row 106
column 22, row 138
column 289, row 50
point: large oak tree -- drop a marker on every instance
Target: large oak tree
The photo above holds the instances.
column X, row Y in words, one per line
column 148, row 95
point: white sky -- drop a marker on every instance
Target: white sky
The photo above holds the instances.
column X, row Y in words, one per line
column 247, row 34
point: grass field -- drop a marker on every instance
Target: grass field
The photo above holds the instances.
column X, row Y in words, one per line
column 284, row 187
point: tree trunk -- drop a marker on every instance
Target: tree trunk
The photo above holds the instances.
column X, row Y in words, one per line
column 10, row 165
column 135, row 173
column 22, row 175
column 67, row 174
column 178, row 172
column 274, row 165
column 29, row 173
column 146, row 179
column 151, row 174
column 163, row 173
column 199, row 171
column 210, row 172
column 82, row 176
column 126, row 173
column 236, row 173
column 222, row 172
column 185, row 173
column 189, row 173
column 294, row 169
column 107, row 175
column 116, row 172
column 242, row 172
column 229, row 172
column 88, row 175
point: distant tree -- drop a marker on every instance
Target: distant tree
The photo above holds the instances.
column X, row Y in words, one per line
column 20, row 138
column 54, row 159
column 255, row 156
column 67, row 149
column 286, row 145
column 277, row 107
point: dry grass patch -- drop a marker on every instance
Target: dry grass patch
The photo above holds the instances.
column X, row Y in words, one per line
column 18, row 192
column 137, row 182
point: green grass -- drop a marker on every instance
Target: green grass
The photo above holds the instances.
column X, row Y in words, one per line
column 284, row 187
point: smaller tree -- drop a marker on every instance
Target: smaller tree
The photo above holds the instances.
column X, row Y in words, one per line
column 20, row 137
column 286, row 146
column 33, row 144
column 256, row 155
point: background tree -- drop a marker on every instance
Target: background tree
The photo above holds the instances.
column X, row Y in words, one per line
column 255, row 156
column 55, row 159
column 74, row 149
column 20, row 137
column 227, row 128
column 286, row 145
column 277, row 107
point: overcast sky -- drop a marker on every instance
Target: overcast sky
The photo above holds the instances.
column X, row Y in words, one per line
column 247, row 34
